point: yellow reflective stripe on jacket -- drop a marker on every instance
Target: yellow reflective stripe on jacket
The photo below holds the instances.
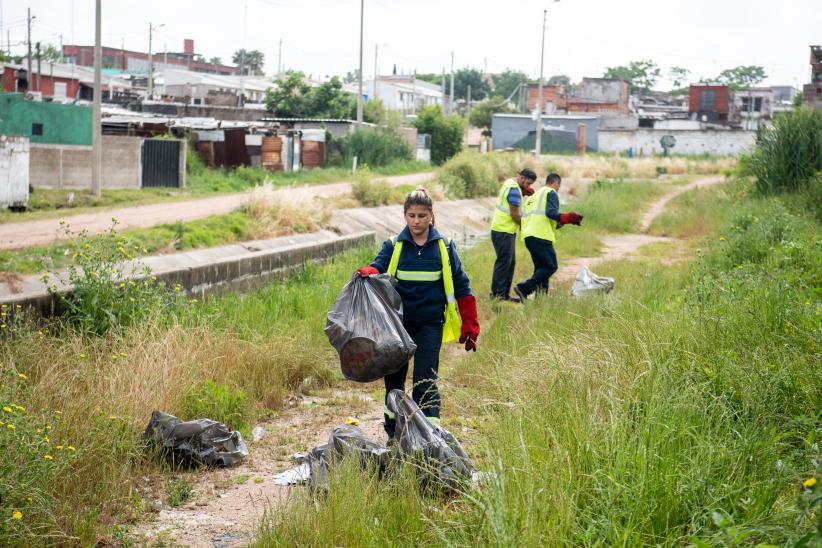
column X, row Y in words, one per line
column 534, row 220
column 418, row 276
column 453, row 324
column 502, row 220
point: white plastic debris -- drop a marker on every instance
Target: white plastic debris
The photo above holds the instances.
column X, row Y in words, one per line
column 586, row 281
column 293, row 476
column 257, row 433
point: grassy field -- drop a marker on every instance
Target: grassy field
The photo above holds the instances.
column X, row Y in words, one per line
column 200, row 182
column 684, row 408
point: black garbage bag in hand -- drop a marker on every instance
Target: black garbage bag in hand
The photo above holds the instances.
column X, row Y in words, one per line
column 197, row 442
column 365, row 327
column 432, row 447
column 346, row 441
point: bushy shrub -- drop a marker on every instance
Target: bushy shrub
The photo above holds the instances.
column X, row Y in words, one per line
column 787, row 155
column 473, row 175
column 109, row 287
column 374, row 148
column 446, row 132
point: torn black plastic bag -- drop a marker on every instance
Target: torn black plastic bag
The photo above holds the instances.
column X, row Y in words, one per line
column 346, row 441
column 433, row 448
column 365, row 327
column 197, row 442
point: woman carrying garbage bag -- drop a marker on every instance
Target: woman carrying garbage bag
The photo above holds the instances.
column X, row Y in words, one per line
column 432, row 285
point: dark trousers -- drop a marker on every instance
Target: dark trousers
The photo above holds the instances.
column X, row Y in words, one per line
column 505, row 246
column 428, row 338
column 545, row 264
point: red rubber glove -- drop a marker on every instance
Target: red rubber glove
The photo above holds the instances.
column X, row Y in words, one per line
column 528, row 190
column 570, row 218
column 470, row 322
column 367, row 271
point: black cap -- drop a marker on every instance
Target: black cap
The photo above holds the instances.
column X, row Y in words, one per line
column 528, row 174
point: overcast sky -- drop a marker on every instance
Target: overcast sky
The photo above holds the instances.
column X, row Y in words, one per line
column 321, row 37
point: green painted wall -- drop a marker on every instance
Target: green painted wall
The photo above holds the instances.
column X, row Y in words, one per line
column 61, row 124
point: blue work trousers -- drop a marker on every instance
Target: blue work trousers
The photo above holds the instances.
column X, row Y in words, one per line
column 545, row 264
column 428, row 338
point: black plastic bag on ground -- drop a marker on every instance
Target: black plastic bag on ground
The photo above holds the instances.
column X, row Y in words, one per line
column 365, row 327
column 433, row 448
column 197, row 442
column 346, row 441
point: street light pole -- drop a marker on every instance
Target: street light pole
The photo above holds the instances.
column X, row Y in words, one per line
column 538, row 134
column 359, row 79
column 150, row 65
column 96, row 130
column 376, row 72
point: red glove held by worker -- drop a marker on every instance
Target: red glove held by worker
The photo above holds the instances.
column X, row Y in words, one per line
column 570, row 218
column 470, row 322
column 367, row 271
column 527, row 191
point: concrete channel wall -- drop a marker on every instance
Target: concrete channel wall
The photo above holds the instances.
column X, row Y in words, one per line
column 217, row 271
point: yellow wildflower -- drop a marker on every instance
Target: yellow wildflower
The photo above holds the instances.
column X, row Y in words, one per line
column 722, row 238
column 59, row 447
column 17, row 515
column 58, row 412
column 22, row 376
column 810, row 482
column 11, row 426
column 2, row 326
column 71, row 448
column 46, row 439
column 48, row 457
column 82, row 356
column 20, row 407
column 7, row 409
column 2, row 423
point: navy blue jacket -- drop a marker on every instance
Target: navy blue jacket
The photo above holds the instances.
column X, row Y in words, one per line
column 552, row 206
column 423, row 301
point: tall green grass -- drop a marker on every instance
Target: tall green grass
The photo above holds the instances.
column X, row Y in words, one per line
column 788, row 154
column 685, row 407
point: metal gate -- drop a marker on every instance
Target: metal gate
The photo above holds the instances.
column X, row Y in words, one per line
column 161, row 163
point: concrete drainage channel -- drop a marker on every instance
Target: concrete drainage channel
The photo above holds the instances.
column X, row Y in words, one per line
column 251, row 265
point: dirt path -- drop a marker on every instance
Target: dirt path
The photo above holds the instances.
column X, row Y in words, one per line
column 228, row 505
column 44, row 232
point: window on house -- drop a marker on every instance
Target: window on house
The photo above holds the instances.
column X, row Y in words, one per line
column 746, row 104
column 707, row 100
column 36, row 129
column 646, row 122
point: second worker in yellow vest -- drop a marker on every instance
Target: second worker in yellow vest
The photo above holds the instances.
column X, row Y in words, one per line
column 540, row 220
column 504, row 228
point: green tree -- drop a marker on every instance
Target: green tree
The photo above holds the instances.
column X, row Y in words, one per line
column 446, row 132
column 430, row 77
column 470, row 77
column 351, row 76
column 49, row 52
column 373, row 112
column 559, row 80
column 742, row 77
column 215, row 61
column 640, row 75
column 294, row 98
column 482, row 113
column 679, row 76
column 250, row 62
column 291, row 98
column 507, row 81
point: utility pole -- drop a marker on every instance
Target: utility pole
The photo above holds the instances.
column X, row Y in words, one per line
column 451, row 95
column 538, row 134
column 468, row 100
column 96, row 128
column 414, row 92
column 28, row 42
column 150, row 65
column 280, row 58
column 122, row 53
column 61, row 48
column 241, row 98
column 376, row 72
column 359, row 76
column 443, row 89
column 39, row 71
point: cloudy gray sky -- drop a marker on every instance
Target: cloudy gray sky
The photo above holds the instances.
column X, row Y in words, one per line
column 321, row 37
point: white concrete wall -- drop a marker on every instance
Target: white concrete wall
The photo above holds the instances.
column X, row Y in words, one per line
column 728, row 142
column 14, row 171
column 69, row 166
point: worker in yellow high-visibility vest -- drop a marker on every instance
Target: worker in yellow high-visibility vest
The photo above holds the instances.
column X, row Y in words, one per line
column 540, row 220
column 504, row 228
